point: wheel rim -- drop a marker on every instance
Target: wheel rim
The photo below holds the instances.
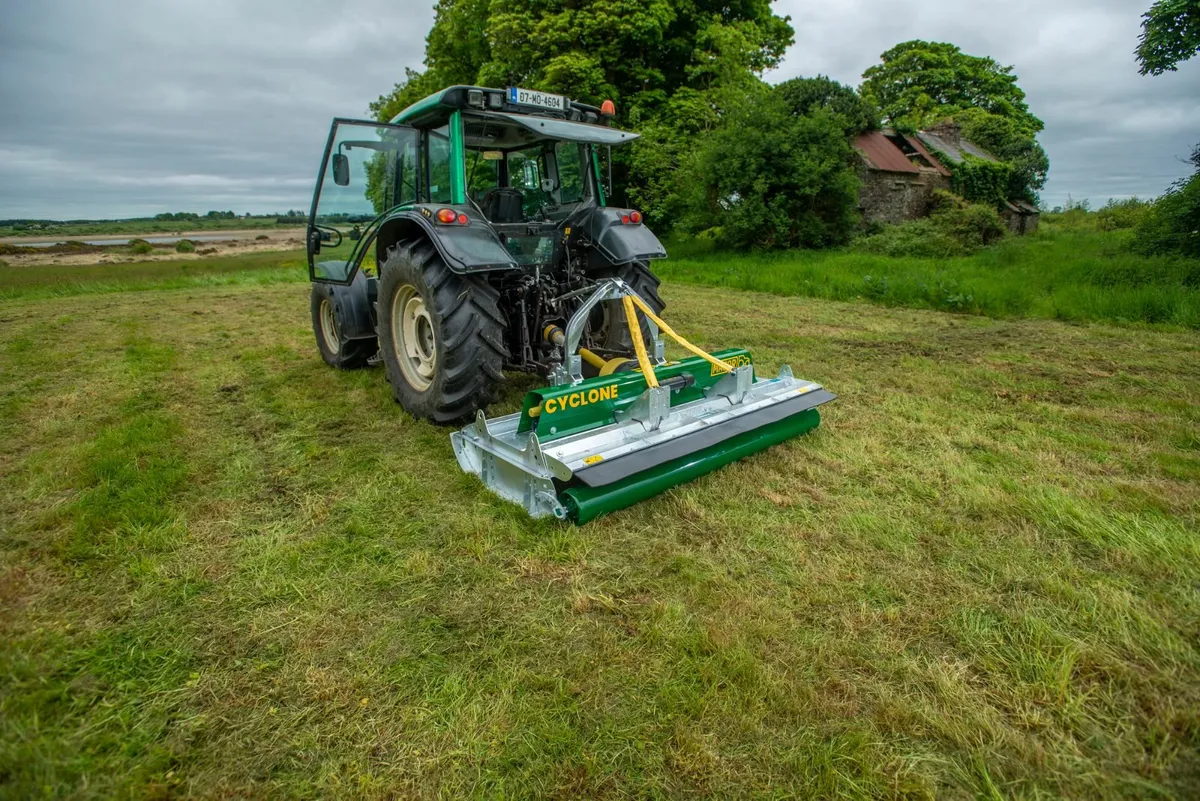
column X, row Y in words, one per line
column 413, row 338
column 329, row 327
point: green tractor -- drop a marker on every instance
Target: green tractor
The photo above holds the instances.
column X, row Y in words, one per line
column 472, row 235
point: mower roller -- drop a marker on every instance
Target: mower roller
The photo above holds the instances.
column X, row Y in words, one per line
column 472, row 235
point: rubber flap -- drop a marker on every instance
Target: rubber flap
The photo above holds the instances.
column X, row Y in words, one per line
column 621, row 468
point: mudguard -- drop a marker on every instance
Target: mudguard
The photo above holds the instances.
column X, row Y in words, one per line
column 620, row 243
column 471, row 248
column 353, row 306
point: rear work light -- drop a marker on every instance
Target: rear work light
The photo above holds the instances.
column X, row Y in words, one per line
column 450, row 216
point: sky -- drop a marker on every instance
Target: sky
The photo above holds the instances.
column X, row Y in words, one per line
column 112, row 110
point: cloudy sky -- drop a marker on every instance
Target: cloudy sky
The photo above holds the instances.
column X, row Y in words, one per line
column 124, row 109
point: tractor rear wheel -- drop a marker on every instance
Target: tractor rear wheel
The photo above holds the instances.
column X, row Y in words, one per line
column 344, row 354
column 611, row 332
column 441, row 335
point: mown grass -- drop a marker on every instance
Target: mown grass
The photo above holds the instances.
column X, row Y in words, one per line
column 62, row 281
column 1066, row 274
column 230, row 571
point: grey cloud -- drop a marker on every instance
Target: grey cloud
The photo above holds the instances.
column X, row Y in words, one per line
column 130, row 108
column 144, row 106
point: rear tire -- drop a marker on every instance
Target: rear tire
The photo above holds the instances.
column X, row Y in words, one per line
column 613, row 332
column 344, row 354
column 441, row 335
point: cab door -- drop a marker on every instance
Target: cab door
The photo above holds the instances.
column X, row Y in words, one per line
column 368, row 169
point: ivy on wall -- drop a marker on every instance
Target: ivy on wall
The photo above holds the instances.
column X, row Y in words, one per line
column 979, row 180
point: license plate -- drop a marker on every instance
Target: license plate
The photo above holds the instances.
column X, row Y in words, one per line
column 527, row 97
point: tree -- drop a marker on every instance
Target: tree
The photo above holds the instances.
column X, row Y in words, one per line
column 920, row 83
column 805, row 95
column 1170, row 34
column 1005, row 139
column 768, row 178
column 637, row 54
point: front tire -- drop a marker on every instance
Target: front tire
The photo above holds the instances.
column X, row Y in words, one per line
column 441, row 335
column 344, row 354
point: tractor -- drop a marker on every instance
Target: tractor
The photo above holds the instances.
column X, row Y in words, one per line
column 472, row 235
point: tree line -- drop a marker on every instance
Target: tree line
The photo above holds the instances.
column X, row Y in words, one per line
column 723, row 153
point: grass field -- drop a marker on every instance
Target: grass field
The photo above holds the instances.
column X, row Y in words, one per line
column 228, row 570
column 1065, row 274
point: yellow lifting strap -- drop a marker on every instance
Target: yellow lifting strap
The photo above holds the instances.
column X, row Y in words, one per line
column 666, row 329
column 639, row 347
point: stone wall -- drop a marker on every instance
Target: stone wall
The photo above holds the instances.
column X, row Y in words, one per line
column 896, row 197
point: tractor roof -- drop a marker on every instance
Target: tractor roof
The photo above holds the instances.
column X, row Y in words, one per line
column 575, row 121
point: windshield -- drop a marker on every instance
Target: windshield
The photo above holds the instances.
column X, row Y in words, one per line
column 547, row 178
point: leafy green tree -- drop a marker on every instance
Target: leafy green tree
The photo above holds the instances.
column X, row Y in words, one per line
column 636, row 53
column 1170, row 34
column 806, row 95
column 919, row 83
column 768, row 178
column 1173, row 224
column 657, row 159
column 1008, row 141
column 922, row 83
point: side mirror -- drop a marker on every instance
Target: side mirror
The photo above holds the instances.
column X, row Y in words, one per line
column 341, row 169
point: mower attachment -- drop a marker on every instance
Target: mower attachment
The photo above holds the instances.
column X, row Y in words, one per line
column 590, row 446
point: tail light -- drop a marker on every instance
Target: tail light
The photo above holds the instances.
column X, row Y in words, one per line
column 450, row 216
column 631, row 218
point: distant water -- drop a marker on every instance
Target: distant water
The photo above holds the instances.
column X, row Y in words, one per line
column 153, row 240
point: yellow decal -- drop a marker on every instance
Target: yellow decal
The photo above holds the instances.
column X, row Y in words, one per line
column 734, row 362
column 579, row 399
column 593, row 459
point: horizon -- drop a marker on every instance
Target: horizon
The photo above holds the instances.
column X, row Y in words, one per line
column 194, row 133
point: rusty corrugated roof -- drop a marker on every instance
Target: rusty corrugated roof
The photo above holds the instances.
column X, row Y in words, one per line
column 882, row 154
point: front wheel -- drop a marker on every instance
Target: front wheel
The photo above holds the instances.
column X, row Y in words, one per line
column 441, row 335
column 344, row 354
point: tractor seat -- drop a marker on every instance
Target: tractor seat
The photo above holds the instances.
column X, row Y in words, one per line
column 503, row 205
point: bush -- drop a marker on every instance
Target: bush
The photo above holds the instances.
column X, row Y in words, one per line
column 975, row 225
column 773, row 180
column 1120, row 215
column 140, row 246
column 1172, row 225
column 185, row 246
column 261, row 237
column 955, row 228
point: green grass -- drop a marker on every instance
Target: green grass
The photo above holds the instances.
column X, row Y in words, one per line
column 1073, row 275
column 251, row 268
column 228, row 570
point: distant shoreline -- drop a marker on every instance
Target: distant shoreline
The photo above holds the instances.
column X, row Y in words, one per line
column 241, row 233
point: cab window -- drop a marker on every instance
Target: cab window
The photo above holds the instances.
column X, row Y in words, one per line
column 439, row 166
